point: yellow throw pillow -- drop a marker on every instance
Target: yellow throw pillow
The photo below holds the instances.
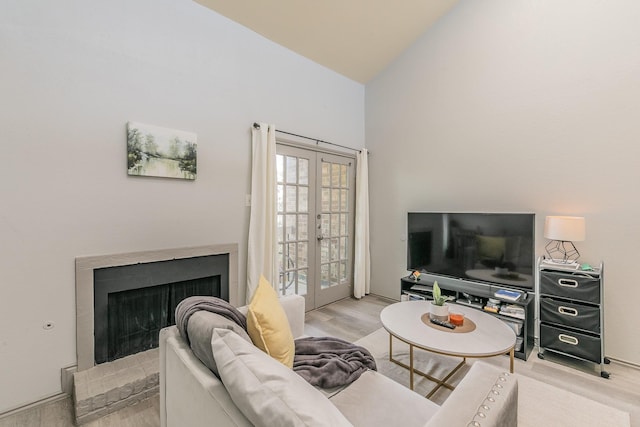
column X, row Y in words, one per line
column 268, row 325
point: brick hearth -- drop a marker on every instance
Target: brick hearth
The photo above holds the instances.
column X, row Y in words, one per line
column 111, row 386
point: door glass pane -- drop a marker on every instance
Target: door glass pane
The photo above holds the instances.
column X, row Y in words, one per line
column 324, row 276
column 292, row 166
column 344, row 201
column 291, row 256
column 302, row 255
column 303, row 224
column 291, row 202
column 326, row 200
column 281, row 268
column 343, row 224
column 335, row 256
column 292, row 233
column 290, row 283
column 335, row 225
column 324, row 225
column 302, row 282
column 281, row 258
column 335, row 200
column 303, row 199
column 280, row 168
column 333, row 273
column 343, row 271
column 335, row 175
column 280, row 198
column 281, row 283
column 303, row 171
column 326, row 174
column 343, row 176
column 324, row 251
column 280, row 227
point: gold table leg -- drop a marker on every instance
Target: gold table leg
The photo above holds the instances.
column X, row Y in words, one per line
column 439, row 382
column 511, row 355
column 411, row 370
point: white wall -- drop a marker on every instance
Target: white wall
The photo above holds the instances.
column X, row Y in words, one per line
column 523, row 106
column 72, row 73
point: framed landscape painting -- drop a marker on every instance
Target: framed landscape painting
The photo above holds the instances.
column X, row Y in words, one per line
column 161, row 152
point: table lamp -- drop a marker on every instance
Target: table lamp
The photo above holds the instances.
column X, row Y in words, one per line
column 563, row 231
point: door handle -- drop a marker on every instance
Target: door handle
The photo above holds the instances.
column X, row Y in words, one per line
column 320, row 237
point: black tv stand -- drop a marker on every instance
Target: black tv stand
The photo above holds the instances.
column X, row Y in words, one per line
column 476, row 295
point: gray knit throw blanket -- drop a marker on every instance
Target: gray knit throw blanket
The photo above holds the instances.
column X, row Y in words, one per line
column 190, row 305
column 330, row 362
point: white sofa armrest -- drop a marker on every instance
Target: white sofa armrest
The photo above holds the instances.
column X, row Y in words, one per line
column 293, row 306
column 190, row 395
column 486, row 395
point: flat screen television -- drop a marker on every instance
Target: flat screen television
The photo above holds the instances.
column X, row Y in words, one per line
column 488, row 248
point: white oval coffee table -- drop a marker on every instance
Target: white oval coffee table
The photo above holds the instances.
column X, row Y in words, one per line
column 404, row 321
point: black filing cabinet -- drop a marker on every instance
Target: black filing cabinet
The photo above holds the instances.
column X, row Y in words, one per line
column 571, row 316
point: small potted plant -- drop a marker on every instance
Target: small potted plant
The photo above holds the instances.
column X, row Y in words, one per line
column 439, row 309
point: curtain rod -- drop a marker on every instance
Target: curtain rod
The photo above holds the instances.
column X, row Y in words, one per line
column 257, row 126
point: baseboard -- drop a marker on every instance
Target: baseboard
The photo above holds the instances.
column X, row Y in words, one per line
column 391, row 300
column 624, row 362
column 66, row 379
column 45, row 401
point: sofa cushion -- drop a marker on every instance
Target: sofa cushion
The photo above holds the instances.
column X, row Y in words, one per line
column 200, row 329
column 268, row 393
column 375, row 400
column 268, row 325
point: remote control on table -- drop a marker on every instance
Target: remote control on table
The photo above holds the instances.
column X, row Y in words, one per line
column 443, row 323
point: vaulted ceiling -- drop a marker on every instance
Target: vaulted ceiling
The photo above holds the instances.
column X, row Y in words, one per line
column 356, row 38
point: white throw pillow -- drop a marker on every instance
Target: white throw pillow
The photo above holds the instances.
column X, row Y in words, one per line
column 267, row 392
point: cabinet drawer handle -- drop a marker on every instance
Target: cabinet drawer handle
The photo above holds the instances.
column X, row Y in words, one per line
column 568, row 311
column 568, row 339
column 568, row 283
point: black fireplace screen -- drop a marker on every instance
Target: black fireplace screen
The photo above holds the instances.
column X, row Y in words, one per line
column 135, row 317
column 132, row 303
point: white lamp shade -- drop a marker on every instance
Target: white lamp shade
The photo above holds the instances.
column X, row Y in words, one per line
column 565, row 228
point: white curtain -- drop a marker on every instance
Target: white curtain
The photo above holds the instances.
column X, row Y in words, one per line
column 361, row 262
column 261, row 248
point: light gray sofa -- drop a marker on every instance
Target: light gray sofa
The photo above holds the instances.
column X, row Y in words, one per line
column 191, row 395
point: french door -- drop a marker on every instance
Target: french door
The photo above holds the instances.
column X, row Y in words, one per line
column 315, row 200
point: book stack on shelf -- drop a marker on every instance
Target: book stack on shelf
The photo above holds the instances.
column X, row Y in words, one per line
column 508, row 294
column 414, row 296
column 492, row 305
column 512, row 310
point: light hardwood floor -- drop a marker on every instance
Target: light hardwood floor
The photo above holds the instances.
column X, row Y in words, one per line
column 352, row 319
